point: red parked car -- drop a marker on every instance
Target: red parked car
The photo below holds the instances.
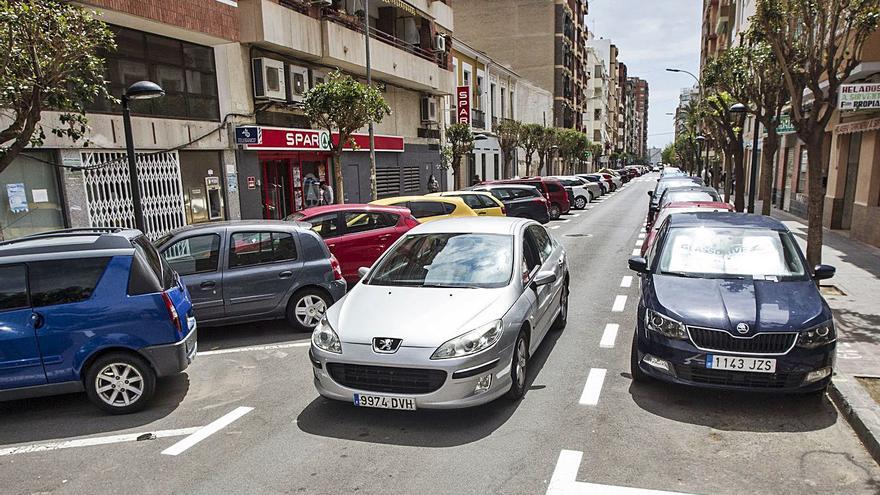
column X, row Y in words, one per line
column 552, row 189
column 357, row 234
column 681, row 207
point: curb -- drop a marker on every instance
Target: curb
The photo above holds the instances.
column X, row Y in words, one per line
column 860, row 410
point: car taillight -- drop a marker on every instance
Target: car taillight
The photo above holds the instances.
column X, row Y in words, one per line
column 337, row 269
column 172, row 314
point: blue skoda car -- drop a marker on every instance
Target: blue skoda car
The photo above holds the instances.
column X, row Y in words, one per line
column 94, row 310
column 728, row 302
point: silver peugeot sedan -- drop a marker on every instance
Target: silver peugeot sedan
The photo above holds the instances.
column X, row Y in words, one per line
column 447, row 318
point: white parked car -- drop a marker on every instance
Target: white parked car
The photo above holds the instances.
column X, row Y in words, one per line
column 584, row 191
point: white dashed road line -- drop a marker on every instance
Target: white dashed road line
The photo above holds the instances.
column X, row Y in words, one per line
column 271, row 347
column 619, row 304
column 593, row 387
column 637, row 252
column 626, row 281
column 564, row 480
column 93, row 441
column 609, row 336
column 206, row 431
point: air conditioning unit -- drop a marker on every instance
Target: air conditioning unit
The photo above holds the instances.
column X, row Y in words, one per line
column 299, row 82
column 440, row 42
column 428, row 109
column 318, row 77
column 269, row 80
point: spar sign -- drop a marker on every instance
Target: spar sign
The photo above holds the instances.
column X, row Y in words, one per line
column 463, row 105
column 859, row 97
column 287, row 139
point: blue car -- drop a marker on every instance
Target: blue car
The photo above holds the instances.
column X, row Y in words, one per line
column 728, row 302
column 94, row 310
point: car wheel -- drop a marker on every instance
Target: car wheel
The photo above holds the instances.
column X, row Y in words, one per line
column 555, row 212
column 306, row 308
column 580, row 202
column 519, row 367
column 591, row 196
column 562, row 318
column 120, row 383
column 638, row 375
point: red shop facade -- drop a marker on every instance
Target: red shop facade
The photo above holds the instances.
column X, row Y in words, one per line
column 294, row 162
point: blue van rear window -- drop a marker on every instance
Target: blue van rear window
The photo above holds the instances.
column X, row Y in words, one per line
column 64, row 281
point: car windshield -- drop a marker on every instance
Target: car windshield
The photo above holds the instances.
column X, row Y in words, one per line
column 664, row 185
column 688, row 196
column 447, row 260
column 730, row 253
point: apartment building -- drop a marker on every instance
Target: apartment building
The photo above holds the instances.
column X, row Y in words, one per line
column 539, row 41
column 186, row 165
column 607, row 51
column 640, row 97
column 596, row 120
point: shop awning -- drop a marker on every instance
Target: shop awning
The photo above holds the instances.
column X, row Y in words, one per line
column 859, row 126
column 287, row 139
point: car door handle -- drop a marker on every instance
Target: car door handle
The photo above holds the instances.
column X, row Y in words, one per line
column 482, row 213
column 285, row 274
column 331, row 246
column 37, row 320
column 208, row 284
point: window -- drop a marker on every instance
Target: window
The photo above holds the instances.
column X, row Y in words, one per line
column 495, row 166
column 502, row 103
column 149, row 271
column 424, row 209
column 472, row 200
column 502, row 194
column 13, row 287
column 483, row 160
column 64, row 281
column 185, row 71
column 256, row 248
column 199, row 254
column 553, row 187
column 512, row 105
column 524, row 193
column 326, row 225
column 486, row 201
column 543, row 245
column 802, row 172
column 360, row 221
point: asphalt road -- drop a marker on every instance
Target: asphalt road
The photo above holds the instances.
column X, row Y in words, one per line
column 583, row 426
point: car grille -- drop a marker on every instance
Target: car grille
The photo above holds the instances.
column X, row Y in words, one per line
column 709, row 376
column 387, row 379
column 762, row 343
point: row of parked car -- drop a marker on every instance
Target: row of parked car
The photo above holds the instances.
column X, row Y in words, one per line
column 727, row 299
column 107, row 311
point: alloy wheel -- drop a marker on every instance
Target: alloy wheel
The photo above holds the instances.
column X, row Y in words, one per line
column 521, row 363
column 580, row 203
column 119, row 384
column 309, row 310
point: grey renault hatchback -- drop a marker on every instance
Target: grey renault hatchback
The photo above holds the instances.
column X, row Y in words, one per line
column 243, row 271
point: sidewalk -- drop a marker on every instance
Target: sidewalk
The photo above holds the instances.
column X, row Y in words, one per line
column 854, row 296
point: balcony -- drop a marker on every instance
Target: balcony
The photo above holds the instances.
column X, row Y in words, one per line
column 478, row 119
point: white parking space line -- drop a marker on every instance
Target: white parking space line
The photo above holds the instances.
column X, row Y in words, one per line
column 641, row 235
column 639, row 242
column 576, row 215
column 593, row 387
column 93, row 441
column 637, row 252
column 554, row 226
column 626, row 281
column 609, row 336
column 564, row 480
column 254, row 348
column 206, row 431
column 619, row 304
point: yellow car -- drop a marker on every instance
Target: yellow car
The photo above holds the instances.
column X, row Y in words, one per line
column 430, row 208
column 483, row 203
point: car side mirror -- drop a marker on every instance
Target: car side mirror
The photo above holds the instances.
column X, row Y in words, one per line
column 823, row 272
column 651, row 193
column 544, row 278
column 363, row 271
column 638, row 264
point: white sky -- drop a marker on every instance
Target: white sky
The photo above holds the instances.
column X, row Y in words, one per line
column 651, row 36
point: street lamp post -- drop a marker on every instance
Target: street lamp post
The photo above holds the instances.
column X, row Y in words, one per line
column 141, row 90
column 700, row 140
column 373, row 185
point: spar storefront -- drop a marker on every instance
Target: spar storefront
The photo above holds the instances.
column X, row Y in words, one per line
column 286, row 166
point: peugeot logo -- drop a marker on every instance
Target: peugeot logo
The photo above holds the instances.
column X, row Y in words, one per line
column 386, row 345
column 743, row 328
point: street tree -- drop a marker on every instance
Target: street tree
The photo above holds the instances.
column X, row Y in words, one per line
column 817, row 45
column 49, row 60
column 546, row 146
column 668, row 153
column 343, row 105
column 508, row 132
column 461, row 141
column 530, row 138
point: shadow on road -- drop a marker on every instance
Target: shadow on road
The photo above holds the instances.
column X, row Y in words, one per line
column 735, row 411
column 249, row 334
column 67, row 416
column 425, row 428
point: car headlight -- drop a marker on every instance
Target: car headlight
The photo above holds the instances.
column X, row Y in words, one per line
column 817, row 336
column 325, row 338
column 664, row 326
column 472, row 342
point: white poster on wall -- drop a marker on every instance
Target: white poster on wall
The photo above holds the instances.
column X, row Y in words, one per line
column 17, row 197
column 40, row 195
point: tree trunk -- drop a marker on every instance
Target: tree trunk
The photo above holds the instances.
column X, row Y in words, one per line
column 541, row 159
column 739, row 199
column 816, row 198
column 337, row 173
column 768, row 152
column 456, row 172
column 728, row 174
column 528, row 164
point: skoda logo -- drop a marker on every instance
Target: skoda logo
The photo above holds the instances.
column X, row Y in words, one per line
column 743, row 328
column 386, row 345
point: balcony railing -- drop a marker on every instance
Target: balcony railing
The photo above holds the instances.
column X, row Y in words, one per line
column 478, row 118
column 354, row 23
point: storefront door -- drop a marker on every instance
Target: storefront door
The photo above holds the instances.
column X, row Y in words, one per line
column 852, row 176
column 291, row 182
column 277, row 201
